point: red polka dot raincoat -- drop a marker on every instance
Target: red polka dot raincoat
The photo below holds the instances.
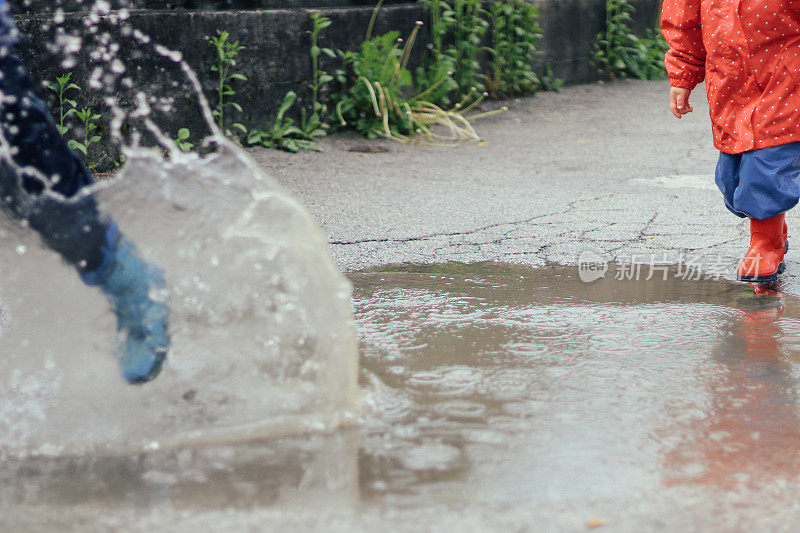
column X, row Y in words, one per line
column 748, row 51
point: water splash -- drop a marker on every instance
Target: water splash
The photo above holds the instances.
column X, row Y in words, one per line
column 263, row 337
column 262, row 328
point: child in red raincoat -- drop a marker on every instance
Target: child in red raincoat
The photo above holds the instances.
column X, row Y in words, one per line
column 748, row 52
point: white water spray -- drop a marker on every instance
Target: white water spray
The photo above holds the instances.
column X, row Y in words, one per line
column 262, row 330
column 263, row 339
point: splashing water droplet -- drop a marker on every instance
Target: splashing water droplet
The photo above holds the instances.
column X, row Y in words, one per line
column 101, row 7
column 117, row 66
column 174, row 55
column 265, row 359
column 69, row 44
column 266, row 337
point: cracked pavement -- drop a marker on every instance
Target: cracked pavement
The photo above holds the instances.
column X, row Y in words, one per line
column 535, row 405
column 601, row 167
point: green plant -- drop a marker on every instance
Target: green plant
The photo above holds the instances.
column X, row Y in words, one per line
column 619, row 53
column 650, row 51
column 313, row 126
column 379, row 100
column 548, row 80
column 469, row 27
column 435, row 74
column 370, row 76
column 314, row 123
column 68, row 107
column 515, row 34
column 182, row 140
column 61, row 87
column 283, row 134
column 226, row 54
column 88, row 118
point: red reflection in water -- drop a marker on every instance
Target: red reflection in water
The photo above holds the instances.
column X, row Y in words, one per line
column 750, row 434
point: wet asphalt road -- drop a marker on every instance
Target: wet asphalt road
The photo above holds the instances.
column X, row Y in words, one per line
column 499, row 398
column 527, row 402
column 601, row 167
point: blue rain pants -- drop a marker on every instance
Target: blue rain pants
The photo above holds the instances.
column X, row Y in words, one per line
column 74, row 228
column 760, row 183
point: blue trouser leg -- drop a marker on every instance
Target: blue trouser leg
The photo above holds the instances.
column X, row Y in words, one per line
column 727, row 179
column 70, row 224
column 761, row 183
column 73, row 229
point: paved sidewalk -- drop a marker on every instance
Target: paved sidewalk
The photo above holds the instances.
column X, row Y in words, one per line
column 601, row 167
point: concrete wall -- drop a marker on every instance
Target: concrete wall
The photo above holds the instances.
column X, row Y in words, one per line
column 569, row 30
column 276, row 59
column 48, row 6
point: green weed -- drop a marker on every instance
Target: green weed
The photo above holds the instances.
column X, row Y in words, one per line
column 619, row 53
column 379, row 98
column 283, row 134
column 435, row 75
column 469, row 28
column 182, row 140
column 548, row 80
column 226, row 54
column 314, row 123
column 88, row 118
column 66, row 106
column 513, row 50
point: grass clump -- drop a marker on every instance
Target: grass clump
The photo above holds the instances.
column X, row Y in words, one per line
column 283, row 134
column 619, row 53
column 380, row 99
column 227, row 53
column 513, row 49
column 88, row 132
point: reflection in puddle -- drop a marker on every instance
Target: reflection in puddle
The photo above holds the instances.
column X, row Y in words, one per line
column 497, row 394
column 750, row 433
column 559, row 390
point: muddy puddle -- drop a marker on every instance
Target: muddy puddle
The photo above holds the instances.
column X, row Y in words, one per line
column 497, row 396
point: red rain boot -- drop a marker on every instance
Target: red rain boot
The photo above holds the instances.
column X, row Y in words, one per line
column 764, row 260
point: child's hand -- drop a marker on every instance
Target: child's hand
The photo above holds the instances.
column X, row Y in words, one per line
column 679, row 101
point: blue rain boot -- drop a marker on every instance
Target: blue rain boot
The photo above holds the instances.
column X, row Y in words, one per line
column 142, row 316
